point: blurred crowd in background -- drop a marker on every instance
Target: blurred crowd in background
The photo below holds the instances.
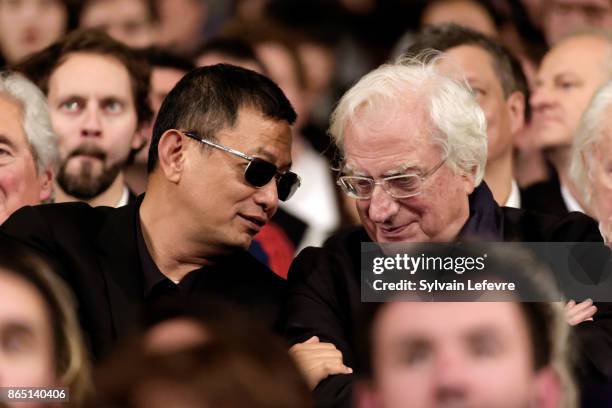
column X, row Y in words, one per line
column 543, row 62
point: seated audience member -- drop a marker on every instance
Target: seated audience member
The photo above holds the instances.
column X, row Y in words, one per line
column 491, row 354
column 97, row 91
column 499, row 89
column 591, row 164
column 133, row 22
column 315, row 213
column 273, row 245
column 166, row 70
column 28, row 145
column 202, row 355
column 42, row 344
column 414, row 147
column 218, row 164
column 568, row 76
column 28, row 26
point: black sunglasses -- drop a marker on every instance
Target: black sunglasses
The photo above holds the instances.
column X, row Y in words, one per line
column 259, row 172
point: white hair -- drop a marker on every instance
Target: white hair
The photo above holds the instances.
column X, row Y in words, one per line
column 35, row 119
column 458, row 121
column 589, row 132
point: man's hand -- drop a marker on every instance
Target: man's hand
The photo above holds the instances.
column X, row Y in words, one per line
column 318, row 360
column 579, row 312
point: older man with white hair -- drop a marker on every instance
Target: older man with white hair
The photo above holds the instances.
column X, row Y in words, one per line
column 591, row 160
column 414, row 144
column 28, row 146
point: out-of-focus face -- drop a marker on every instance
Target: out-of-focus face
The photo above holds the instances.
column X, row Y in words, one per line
column 26, row 346
column 397, row 140
column 455, row 355
column 568, row 77
column 93, row 113
column 182, row 24
column 27, row 26
column 128, row 21
column 20, row 183
column 229, row 218
column 163, row 80
column 465, row 13
column 502, row 116
column 562, row 17
column 600, row 175
column 282, row 70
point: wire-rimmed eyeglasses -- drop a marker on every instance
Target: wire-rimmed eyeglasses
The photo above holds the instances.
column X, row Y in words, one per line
column 397, row 186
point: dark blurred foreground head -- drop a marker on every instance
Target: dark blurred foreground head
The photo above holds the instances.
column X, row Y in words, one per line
column 196, row 354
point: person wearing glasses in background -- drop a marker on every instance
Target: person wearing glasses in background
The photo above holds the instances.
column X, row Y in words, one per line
column 414, row 144
column 218, row 165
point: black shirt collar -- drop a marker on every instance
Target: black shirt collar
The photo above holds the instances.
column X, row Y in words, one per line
column 154, row 280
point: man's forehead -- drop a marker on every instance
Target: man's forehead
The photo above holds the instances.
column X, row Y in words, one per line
column 84, row 70
column 442, row 316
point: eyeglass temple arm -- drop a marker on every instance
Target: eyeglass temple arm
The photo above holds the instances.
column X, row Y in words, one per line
column 225, row 149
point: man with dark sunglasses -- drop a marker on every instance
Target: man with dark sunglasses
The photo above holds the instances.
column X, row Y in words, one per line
column 219, row 163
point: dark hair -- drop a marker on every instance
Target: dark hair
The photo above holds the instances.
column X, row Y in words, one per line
column 446, row 36
column 207, row 100
column 234, row 48
column 40, row 66
column 162, row 58
column 238, row 364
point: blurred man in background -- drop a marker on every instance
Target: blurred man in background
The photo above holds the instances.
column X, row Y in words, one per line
column 97, row 92
column 133, row 22
column 567, row 78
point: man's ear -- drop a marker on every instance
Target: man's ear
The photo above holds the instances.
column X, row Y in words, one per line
column 467, row 179
column 45, row 179
column 516, row 108
column 547, row 389
column 171, row 154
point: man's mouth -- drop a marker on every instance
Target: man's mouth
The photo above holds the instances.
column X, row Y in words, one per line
column 391, row 232
column 256, row 222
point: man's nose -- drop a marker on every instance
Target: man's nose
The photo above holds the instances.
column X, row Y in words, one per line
column 382, row 205
column 91, row 123
column 541, row 98
column 267, row 197
column 451, row 383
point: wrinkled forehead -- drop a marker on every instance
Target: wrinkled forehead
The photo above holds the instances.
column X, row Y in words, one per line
column 388, row 133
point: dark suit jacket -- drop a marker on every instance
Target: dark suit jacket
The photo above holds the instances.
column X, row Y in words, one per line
column 325, row 297
column 545, row 197
column 95, row 251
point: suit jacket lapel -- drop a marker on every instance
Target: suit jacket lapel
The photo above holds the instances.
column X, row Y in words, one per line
column 120, row 264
